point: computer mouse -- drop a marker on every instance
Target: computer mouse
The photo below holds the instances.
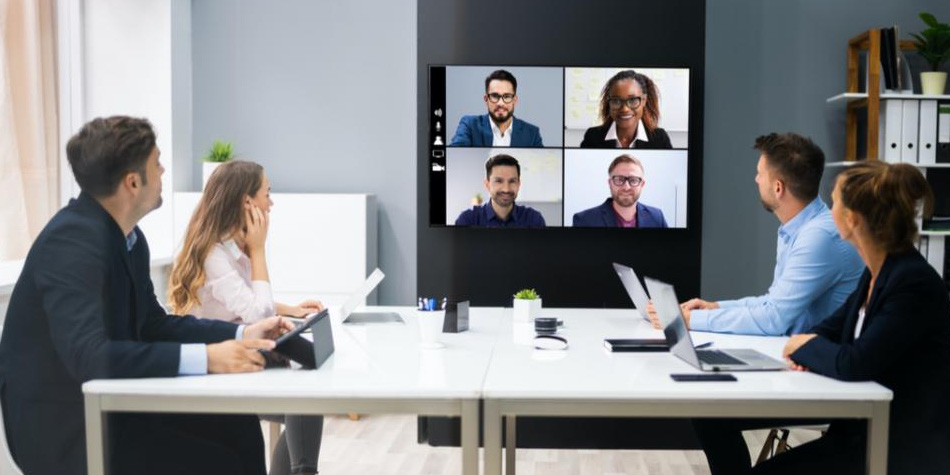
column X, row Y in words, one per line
column 550, row 342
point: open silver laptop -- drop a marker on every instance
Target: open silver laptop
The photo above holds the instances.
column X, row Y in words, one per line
column 359, row 298
column 634, row 289
column 677, row 336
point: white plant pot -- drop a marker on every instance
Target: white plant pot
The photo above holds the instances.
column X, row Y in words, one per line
column 526, row 310
column 933, row 82
column 206, row 169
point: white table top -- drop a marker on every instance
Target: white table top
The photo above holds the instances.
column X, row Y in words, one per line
column 587, row 370
column 495, row 359
column 370, row 361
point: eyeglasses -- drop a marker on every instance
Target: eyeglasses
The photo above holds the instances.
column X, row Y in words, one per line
column 619, row 180
column 506, row 98
column 631, row 102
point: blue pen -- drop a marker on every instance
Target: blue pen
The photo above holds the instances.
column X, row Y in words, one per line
column 704, row 345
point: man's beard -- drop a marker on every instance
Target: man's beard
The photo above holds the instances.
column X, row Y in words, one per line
column 767, row 207
column 625, row 201
column 503, row 119
column 504, row 200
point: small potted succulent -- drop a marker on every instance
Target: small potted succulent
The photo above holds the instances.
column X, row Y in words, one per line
column 933, row 44
column 219, row 153
column 527, row 305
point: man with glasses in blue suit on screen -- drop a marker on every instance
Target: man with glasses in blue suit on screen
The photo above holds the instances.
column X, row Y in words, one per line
column 499, row 127
column 623, row 209
column 815, row 270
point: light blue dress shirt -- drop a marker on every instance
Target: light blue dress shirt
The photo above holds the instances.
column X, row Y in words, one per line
column 815, row 272
column 193, row 358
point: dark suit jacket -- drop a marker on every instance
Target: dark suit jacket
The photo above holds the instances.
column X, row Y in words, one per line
column 475, row 131
column 83, row 308
column 603, row 216
column 594, row 138
column 905, row 345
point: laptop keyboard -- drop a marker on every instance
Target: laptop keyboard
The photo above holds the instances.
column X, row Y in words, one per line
column 717, row 358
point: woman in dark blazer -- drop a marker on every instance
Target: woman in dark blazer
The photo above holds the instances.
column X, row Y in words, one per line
column 894, row 330
column 629, row 113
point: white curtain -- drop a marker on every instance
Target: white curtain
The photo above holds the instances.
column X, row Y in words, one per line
column 29, row 179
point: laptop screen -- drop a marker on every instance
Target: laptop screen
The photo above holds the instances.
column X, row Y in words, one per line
column 674, row 327
column 634, row 289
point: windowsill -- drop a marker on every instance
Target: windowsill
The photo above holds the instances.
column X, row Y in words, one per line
column 10, row 272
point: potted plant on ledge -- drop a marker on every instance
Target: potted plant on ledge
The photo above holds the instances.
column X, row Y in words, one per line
column 527, row 305
column 219, row 153
column 933, row 44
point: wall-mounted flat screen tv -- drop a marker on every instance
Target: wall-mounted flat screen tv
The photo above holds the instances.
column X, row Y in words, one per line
column 558, row 147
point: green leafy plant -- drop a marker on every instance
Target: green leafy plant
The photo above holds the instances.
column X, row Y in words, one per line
column 527, row 294
column 220, row 152
column 933, row 44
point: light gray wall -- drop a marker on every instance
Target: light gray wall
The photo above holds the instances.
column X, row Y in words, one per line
column 769, row 67
column 322, row 94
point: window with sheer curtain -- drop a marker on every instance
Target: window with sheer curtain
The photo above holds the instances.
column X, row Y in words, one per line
column 29, row 150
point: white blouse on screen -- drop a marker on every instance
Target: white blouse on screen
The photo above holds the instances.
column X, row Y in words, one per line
column 229, row 294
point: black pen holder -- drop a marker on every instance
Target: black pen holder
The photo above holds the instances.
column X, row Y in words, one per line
column 456, row 317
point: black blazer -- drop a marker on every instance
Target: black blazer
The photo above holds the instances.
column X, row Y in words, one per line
column 83, row 308
column 904, row 345
column 594, row 138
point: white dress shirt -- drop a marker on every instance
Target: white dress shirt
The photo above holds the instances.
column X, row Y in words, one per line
column 641, row 134
column 501, row 139
column 229, row 294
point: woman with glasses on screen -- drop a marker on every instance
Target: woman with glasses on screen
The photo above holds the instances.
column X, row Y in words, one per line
column 894, row 330
column 629, row 114
column 221, row 273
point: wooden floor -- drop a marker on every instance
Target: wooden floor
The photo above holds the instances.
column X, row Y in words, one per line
column 382, row 445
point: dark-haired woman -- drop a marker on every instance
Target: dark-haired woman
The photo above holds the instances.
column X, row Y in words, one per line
column 221, row 273
column 629, row 113
column 893, row 330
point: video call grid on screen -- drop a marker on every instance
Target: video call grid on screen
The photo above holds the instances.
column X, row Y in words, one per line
column 560, row 142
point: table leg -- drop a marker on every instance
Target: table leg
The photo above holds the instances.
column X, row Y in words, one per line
column 492, row 415
column 96, row 443
column 511, row 445
column 877, row 438
column 470, row 436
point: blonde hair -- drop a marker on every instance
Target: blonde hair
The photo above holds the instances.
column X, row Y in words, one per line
column 220, row 213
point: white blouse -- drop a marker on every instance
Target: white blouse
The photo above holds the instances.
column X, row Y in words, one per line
column 229, row 294
column 860, row 325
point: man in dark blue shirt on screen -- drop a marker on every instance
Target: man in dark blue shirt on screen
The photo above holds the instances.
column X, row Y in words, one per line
column 502, row 180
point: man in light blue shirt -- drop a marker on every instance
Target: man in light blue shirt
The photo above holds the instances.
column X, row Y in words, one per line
column 815, row 270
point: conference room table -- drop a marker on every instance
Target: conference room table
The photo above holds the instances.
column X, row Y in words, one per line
column 587, row 380
column 382, row 368
column 376, row 369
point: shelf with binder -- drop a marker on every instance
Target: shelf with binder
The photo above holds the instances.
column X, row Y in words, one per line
column 899, row 127
column 918, row 165
column 870, row 100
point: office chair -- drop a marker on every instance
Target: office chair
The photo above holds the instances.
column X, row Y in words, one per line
column 7, row 465
column 776, row 443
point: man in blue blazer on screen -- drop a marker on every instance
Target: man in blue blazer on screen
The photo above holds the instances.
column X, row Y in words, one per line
column 84, row 308
column 499, row 127
column 623, row 209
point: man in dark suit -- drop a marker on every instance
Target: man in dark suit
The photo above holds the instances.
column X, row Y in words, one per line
column 499, row 127
column 84, row 308
column 623, row 209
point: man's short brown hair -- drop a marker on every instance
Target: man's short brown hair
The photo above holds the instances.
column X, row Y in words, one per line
column 796, row 161
column 105, row 150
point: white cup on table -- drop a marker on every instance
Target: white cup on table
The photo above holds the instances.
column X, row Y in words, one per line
column 430, row 328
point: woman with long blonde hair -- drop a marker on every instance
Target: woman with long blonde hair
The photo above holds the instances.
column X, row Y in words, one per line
column 221, row 273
